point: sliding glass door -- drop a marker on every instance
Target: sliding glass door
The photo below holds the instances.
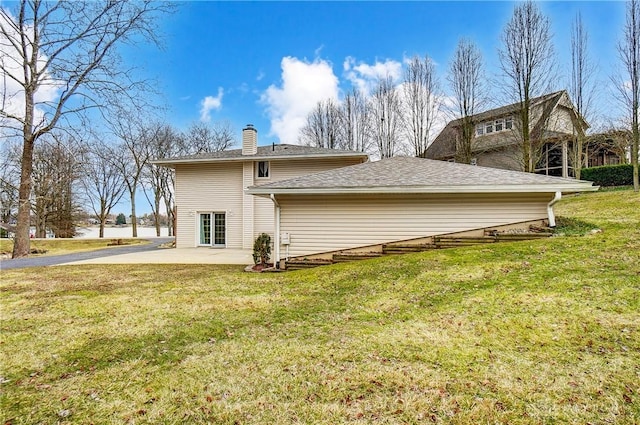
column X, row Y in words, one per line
column 213, row 229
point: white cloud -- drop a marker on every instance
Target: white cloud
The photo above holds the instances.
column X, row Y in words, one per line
column 12, row 98
column 364, row 76
column 211, row 103
column 303, row 85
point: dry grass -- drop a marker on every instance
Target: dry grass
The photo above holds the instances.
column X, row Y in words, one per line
column 532, row 332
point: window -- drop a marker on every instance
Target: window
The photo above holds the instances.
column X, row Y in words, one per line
column 263, row 169
column 499, row 124
column 508, row 124
column 488, row 127
column 479, row 129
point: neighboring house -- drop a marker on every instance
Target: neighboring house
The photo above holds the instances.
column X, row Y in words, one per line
column 7, row 230
column 609, row 148
column 402, row 198
column 554, row 125
column 212, row 207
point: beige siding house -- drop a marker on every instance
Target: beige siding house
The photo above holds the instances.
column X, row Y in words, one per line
column 403, row 198
column 554, row 125
column 213, row 209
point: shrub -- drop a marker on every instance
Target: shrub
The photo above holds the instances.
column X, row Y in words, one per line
column 262, row 249
column 121, row 219
column 609, row 175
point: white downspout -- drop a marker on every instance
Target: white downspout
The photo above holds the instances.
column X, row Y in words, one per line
column 276, row 231
column 552, row 217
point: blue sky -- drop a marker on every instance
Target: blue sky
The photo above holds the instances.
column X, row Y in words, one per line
column 268, row 63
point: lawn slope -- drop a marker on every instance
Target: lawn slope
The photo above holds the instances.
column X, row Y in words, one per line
column 530, row 332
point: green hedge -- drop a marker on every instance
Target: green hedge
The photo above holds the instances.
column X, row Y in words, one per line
column 609, row 175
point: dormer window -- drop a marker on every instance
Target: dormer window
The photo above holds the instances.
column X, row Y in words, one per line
column 263, row 169
column 508, row 124
column 488, row 128
column 494, row 126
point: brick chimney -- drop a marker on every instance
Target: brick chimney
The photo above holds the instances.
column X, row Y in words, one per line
column 249, row 140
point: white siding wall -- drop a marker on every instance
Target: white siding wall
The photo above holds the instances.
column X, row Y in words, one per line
column 248, row 205
column 282, row 170
column 220, row 187
column 202, row 188
column 328, row 223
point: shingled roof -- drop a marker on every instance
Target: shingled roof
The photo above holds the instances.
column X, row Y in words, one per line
column 279, row 151
column 444, row 145
column 419, row 175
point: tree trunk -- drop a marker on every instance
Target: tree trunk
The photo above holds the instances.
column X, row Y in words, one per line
column 134, row 221
column 175, row 221
column 41, row 225
column 579, row 157
column 169, row 210
column 634, row 154
column 22, row 243
column 156, row 216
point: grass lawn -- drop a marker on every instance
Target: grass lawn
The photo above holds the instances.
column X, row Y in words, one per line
column 67, row 246
column 534, row 332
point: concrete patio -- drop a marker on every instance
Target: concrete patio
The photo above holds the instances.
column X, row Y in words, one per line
column 177, row 256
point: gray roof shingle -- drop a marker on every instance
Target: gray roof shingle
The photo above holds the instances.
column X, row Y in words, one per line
column 264, row 152
column 408, row 174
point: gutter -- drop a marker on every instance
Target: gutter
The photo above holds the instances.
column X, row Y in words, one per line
column 276, row 232
column 552, row 217
column 516, row 188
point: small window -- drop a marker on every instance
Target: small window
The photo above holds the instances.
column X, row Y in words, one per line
column 499, row 124
column 508, row 124
column 479, row 129
column 263, row 169
column 474, row 161
column 488, row 128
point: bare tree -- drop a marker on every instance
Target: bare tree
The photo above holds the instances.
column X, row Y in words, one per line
column 9, row 181
column 202, row 137
column 386, row 117
column 421, row 102
column 628, row 84
column 527, row 61
column 466, row 77
column 582, row 87
column 134, row 138
column 156, row 179
column 68, row 49
column 355, row 125
column 102, row 182
column 322, row 126
column 55, row 173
